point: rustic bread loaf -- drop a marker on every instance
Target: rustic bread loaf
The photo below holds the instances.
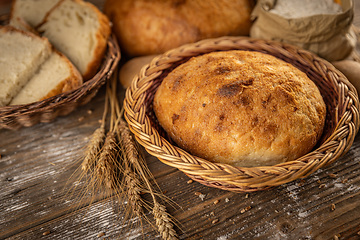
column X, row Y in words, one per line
column 80, row 31
column 32, row 11
column 241, row 108
column 22, row 53
column 151, row 27
column 56, row 75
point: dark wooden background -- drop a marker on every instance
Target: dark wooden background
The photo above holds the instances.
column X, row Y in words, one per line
column 40, row 198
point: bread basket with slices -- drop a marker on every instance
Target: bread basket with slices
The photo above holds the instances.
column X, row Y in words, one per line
column 51, row 64
column 341, row 121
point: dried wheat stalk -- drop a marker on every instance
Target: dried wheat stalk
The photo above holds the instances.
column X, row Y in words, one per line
column 135, row 159
column 127, row 174
column 106, row 168
column 163, row 222
column 93, row 149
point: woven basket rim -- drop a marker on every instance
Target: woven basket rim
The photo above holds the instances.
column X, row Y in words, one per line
column 224, row 176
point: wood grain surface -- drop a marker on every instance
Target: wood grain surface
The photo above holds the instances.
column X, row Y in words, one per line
column 42, row 197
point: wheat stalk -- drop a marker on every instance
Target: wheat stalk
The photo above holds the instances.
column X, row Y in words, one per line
column 134, row 158
column 106, row 168
column 125, row 175
column 133, row 192
column 163, row 222
column 95, row 144
column 93, row 149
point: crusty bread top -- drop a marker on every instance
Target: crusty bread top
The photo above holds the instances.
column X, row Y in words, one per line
column 240, row 107
column 80, row 31
column 146, row 27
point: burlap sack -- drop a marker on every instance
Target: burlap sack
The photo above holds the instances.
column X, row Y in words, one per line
column 330, row 36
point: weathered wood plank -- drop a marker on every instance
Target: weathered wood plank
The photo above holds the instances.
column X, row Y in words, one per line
column 36, row 174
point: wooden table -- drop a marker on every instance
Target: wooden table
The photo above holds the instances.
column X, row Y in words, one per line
column 40, row 196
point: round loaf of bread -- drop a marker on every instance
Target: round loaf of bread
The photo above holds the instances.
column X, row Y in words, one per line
column 145, row 27
column 241, row 108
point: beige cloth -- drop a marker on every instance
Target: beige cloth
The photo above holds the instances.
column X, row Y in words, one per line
column 328, row 35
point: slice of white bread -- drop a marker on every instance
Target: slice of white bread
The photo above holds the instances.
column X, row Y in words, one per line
column 80, row 31
column 32, row 11
column 22, row 53
column 21, row 24
column 57, row 75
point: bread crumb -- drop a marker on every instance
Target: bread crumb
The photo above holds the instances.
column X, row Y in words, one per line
column 200, row 195
column 245, row 209
column 301, row 183
column 80, row 119
column 227, row 200
column 190, row 181
column 212, row 213
column 332, row 175
column 46, row 233
column 247, row 195
column 215, row 221
column 332, row 207
column 344, row 181
column 216, row 201
column 322, row 186
column 89, row 111
column 101, row 234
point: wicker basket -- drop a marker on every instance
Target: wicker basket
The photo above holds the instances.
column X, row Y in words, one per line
column 342, row 120
column 15, row 117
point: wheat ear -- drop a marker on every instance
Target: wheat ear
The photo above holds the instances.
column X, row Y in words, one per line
column 136, row 160
column 95, row 144
column 93, row 149
column 163, row 222
column 106, row 167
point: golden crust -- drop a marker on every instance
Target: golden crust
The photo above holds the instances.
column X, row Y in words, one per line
column 151, row 27
column 241, row 108
column 102, row 37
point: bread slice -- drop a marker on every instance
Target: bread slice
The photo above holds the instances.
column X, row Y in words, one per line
column 22, row 53
column 21, row 24
column 57, row 75
column 32, row 11
column 80, row 31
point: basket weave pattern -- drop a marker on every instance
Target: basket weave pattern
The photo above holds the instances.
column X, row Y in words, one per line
column 17, row 116
column 341, row 126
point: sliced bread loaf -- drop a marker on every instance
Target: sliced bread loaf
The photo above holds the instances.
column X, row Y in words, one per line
column 80, row 31
column 32, row 11
column 22, row 53
column 57, row 75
